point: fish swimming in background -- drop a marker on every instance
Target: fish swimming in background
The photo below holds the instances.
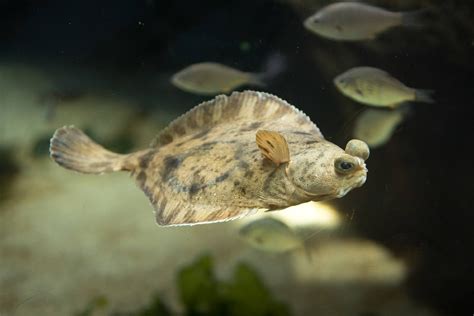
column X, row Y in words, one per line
column 212, row 78
column 270, row 234
column 209, row 78
column 376, row 87
column 356, row 21
column 227, row 158
column 376, row 126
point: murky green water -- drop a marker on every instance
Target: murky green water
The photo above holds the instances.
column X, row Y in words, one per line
column 75, row 244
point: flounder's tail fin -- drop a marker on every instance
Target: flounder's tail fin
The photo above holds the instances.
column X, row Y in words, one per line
column 72, row 149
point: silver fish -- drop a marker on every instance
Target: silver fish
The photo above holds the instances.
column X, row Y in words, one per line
column 376, row 87
column 355, row 21
column 270, row 234
column 376, row 127
column 209, row 78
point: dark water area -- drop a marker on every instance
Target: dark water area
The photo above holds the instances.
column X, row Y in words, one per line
column 417, row 201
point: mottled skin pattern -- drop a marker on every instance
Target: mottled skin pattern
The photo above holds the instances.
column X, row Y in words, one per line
column 206, row 165
column 218, row 173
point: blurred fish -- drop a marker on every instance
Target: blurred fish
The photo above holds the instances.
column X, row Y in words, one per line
column 209, row 78
column 376, row 87
column 376, row 127
column 355, row 21
column 270, row 234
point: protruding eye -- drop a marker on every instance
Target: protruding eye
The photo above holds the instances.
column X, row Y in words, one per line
column 357, row 148
column 344, row 165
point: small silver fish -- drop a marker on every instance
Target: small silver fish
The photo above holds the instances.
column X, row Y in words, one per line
column 376, row 127
column 376, row 87
column 210, row 78
column 355, row 21
column 270, row 234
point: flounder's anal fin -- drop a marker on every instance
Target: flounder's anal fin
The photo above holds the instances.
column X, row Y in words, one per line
column 273, row 146
column 171, row 212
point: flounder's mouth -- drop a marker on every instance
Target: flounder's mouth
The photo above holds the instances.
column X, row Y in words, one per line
column 314, row 196
column 361, row 181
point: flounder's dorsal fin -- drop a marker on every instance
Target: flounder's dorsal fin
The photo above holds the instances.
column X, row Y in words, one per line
column 248, row 106
column 273, row 146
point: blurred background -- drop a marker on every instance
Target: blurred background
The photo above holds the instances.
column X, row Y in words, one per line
column 400, row 245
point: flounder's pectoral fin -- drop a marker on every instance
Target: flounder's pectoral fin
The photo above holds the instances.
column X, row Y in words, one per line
column 273, row 146
column 176, row 213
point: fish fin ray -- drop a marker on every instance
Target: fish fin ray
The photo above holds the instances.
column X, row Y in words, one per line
column 248, row 106
column 179, row 213
column 72, row 149
column 273, row 146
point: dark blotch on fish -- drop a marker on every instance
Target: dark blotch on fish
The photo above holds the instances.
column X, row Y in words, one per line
column 251, row 127
column 141, row 177
column 222, row 177
column 195, row 187
column 146, row 158
column 171, row 163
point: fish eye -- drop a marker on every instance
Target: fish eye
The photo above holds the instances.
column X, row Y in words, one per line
column 357, row 148
column 344, row 166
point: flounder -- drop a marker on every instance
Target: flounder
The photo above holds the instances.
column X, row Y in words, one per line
column 227, row 158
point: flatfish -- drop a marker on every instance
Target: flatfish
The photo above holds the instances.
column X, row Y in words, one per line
column 227, row 158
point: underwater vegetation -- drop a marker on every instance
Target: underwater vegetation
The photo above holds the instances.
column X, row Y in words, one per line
column 201, row 293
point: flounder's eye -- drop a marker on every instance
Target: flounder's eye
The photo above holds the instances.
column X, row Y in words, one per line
column 357, row 148
column 344, row 166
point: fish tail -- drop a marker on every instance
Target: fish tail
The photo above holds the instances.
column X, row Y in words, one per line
column 275, row 64
column 257, row 79
column 74, row 150
column 424, row 95
column 417, row 18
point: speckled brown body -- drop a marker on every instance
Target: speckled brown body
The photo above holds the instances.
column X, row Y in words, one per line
column 223, row 167
column 220, row 166
column 206, row 165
